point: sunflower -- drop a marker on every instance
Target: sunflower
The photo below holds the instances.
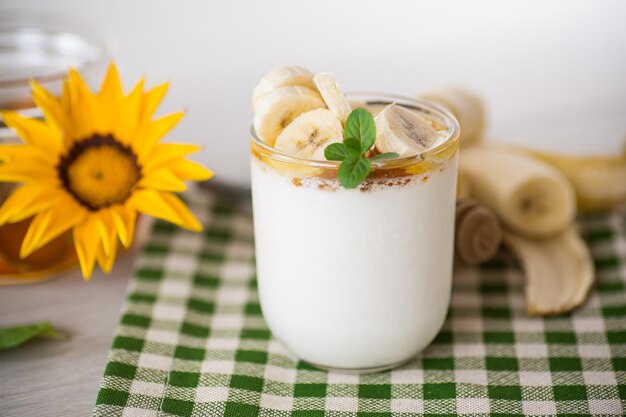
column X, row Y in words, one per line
column 92, row 165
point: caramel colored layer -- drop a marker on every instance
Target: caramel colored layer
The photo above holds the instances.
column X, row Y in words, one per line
column 394, row 173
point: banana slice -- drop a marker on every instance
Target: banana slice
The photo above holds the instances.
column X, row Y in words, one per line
column 468, row 110
column 310, row 133
column 403, row 131
column 559, row 271
column 530, row 197
column 277, row 109
column 599, row 181
column 282, row 77
column 328, row 87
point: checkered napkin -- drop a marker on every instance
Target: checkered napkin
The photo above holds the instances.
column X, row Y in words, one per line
column 192, row 342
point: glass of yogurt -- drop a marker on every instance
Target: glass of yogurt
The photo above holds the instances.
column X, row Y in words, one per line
column 357, row 279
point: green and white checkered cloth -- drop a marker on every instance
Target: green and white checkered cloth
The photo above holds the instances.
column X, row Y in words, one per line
column 192, row 340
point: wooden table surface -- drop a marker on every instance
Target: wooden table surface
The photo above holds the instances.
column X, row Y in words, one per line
column 61, row 377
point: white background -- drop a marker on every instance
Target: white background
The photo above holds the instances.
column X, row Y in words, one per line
column 552, row 73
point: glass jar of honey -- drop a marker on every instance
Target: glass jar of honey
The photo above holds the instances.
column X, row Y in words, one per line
column 42, row 47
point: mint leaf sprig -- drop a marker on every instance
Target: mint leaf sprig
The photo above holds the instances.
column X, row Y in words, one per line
column 359, row 136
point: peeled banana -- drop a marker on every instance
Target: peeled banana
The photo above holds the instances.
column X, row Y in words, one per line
column 559, row 271
column 531, row 197
column 599, row 181
column 468, row 110
column 308, row 134
column 276, row 109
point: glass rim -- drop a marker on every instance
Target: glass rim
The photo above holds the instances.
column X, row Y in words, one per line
column 452, row 134
column 51, row 24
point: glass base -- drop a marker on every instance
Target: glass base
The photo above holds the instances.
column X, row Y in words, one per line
column 360, row 371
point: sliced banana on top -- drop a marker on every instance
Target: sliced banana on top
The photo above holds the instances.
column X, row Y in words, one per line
column 308, row 134
column 403, row 131
column 275, row 110
column 328, row 87
column 282, row 77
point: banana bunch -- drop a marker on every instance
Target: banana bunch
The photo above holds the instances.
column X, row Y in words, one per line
column 301, row 113
column 537, row 206
column 534, row 196
column 599, row 181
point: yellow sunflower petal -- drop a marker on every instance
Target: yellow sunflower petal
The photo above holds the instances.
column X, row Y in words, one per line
column 73, row 124
column 149, row 103
column 125, row 220
column 35, row 133
column 154, row 132
column 50, row 106
column 151, row 100
column 111, row 90
column 47, row 225
column 84, row 110
column 166, row 152
column 162, row 179
column 106, row 228
column 28, row 200
column 25, row 154
column 125, row 124
column 77, row 80
column 86, row 241
column 106, row 260
column 189, row 220
column 26, row 172
column 165, row 206
column 109, row 97
column 189, row 170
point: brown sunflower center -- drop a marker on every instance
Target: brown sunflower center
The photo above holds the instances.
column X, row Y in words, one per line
column 99, row 171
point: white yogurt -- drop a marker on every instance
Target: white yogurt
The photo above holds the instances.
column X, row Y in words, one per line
column 349, row 279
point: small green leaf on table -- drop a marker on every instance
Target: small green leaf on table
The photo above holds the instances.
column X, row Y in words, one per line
column 11, row 337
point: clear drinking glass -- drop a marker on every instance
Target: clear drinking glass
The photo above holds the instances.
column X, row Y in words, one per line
column 356, row 280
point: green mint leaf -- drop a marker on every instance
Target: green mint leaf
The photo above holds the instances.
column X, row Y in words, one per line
column 15, row 336
column 353, row 171
column 361, row 127
column 386, row 155
column 353, row 146
column 336, row 152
